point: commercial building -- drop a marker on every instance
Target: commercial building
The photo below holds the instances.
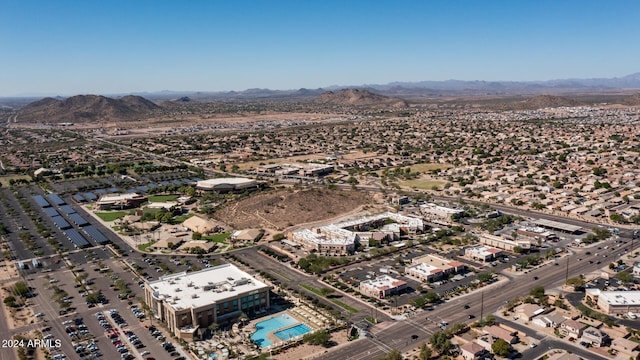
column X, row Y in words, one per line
column 614, row 302
column 482, row 253
column 120, row 201
column 502, row 243
column 536, row 234
column 341, row 238
column 382, row 286
column 225, row 185
column 186, row 302
column 432, row 267
column 437, row 212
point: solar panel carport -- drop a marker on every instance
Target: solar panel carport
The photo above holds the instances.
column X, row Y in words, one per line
column 51, row 211
column 76, row 238
column 56, row 199
column 60, row 222
column 41, row 201
column 67, row 209
column 78, row 220
column 95, row 234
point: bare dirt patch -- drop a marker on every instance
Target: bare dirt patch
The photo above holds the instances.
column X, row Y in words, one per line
column 279, row 209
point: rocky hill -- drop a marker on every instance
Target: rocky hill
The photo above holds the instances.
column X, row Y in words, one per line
column 632, row 100
column 545, row 101
column 358, row 97
column 86, row 108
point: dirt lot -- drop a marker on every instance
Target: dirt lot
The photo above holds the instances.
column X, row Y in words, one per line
column 280, row 209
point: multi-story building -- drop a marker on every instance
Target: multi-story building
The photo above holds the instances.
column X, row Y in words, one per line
column 186, row 302
column 432, row 267
column 342, row 238
column 440, row 213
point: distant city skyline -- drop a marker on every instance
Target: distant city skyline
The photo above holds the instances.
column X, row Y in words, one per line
column 79, row 47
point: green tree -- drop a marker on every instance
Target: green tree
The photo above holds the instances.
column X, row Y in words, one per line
column 10, row 301
column 485, row 277
column 577, row 282
column 94, row 297
column 440, row 342
column 537, row 292
column 625, row 277
column 500, row 347
column 320, row 337
column 21, row 289
column 325, row 291
column 393, row 355
column 425, row 352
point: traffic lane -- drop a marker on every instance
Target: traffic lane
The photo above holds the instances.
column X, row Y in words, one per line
column 294, row 278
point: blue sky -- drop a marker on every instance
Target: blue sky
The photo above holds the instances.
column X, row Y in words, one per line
column 72, row 47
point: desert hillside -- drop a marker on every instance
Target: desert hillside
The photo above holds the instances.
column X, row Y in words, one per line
column 85, row 109
column 358, row 97
column 279, row 209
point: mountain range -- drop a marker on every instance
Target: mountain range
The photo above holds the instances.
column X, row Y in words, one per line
column 422, row 89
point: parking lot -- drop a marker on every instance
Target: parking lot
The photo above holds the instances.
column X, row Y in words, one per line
column 78, row 323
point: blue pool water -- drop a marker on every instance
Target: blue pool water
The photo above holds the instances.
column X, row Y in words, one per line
column 292, row 332
column 265, row 327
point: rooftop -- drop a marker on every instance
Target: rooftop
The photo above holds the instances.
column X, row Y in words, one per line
column 200, row 288
column 621, row 297
column 383, row 282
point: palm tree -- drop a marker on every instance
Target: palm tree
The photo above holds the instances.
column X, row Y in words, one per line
column 243, row 318
column 213, row 327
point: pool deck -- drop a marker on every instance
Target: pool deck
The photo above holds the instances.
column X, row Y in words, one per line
column 292, row 314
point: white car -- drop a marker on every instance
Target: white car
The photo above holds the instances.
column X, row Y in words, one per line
column 144, row 353
column 39, row 314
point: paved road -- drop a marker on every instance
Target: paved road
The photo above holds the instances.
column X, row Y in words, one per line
column 398, row 335
column 293, row 278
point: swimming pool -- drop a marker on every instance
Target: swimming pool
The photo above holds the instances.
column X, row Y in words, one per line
column 265, row 327
column 292, row 332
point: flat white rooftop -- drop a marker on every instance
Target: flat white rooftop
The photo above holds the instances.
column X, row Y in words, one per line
column 200, row 288
column 424, row 269
column 442, row 209
column 383, row 282
column 118, row 197
column 621, row 297
column 236, row 181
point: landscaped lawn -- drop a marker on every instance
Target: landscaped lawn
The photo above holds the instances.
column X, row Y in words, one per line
column 5, row 180
column 111, row 216
column 162, row 198
column 180, row 219
column 219, row 238
column 423, row 184
column 144, row 247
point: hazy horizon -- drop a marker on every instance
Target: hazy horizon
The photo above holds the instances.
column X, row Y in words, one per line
column 149, row 46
